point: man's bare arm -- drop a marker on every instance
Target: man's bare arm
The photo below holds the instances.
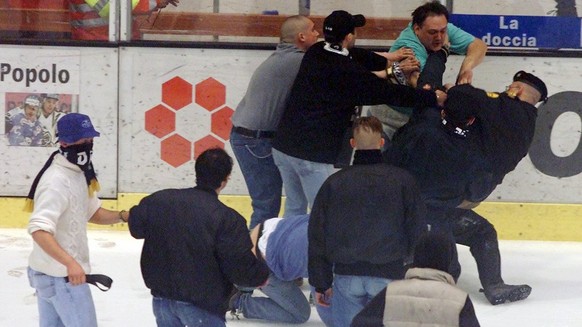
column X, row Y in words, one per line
column 475, row 54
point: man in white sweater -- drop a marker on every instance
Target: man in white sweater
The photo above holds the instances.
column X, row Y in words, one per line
column 64, row 201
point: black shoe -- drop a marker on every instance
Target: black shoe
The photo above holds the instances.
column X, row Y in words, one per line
column 502, row 293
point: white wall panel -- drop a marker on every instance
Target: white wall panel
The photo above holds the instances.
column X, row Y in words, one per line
column 143, row 74
column 93, row 80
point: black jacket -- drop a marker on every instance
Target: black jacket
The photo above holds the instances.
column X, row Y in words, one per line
column 504, row 128
column 194, row 248
column 448, row 168
column 322, row 101
column 365, row 221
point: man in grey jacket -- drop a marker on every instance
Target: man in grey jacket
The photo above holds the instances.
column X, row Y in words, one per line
column 257, row 116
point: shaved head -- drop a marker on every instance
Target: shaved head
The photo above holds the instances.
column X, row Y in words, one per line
column 293, row 26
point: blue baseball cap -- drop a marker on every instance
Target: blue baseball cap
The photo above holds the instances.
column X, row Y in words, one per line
column 74, row 126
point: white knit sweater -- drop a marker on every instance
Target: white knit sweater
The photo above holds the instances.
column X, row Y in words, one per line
column 62, row 207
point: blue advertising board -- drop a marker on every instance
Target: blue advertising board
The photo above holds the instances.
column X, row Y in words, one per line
column 522, row 31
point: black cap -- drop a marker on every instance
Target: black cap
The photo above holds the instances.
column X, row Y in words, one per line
column 341, row 23
column 533, row 81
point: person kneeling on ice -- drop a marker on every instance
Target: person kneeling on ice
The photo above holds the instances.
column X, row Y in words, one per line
column 282, row 244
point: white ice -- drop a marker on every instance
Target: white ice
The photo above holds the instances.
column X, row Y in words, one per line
column 553, row 269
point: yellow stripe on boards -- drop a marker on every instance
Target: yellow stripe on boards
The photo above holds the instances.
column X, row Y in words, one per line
column 513, row 221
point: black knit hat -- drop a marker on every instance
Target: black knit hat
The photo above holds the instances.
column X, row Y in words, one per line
column 433, row 250
column 533, row 81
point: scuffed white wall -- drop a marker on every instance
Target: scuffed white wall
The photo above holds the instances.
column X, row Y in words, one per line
column 142, row 170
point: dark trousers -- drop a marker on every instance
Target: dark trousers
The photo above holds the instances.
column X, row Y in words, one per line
column 433, row 70
column 468, row 228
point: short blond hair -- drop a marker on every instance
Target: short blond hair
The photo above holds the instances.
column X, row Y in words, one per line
column 367, row 133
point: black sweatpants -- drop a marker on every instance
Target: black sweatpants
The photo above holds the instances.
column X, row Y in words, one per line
column 468, row 228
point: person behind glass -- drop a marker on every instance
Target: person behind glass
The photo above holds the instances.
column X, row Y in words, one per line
column 427, row 296
column 62, row 200
column 365, row 221
column 26, row 129
column 428, row 34
column 49, row 116
column 334, row 78
column 459, row 155
column 195, row 248
column 282, row 243
column 90, row 18
column 257, row 116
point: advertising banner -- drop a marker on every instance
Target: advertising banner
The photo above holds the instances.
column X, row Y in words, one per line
column 522, row 32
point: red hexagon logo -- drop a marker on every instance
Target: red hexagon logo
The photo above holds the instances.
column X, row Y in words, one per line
column 176, row 150
column 210, row 94
column 160, row 121
column 206, row 143
column 220, row 123
column 177, row 93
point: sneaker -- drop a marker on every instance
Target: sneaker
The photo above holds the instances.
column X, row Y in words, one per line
column 234, row 303
column 502, row 293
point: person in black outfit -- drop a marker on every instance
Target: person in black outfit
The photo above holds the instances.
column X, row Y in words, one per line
column 334, row 78
column 365, row 221
column 427, row 296
column 459, row 155
column 195, row 248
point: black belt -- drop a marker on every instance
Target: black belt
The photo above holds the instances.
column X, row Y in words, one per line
column 102, row 282
column 257, row 134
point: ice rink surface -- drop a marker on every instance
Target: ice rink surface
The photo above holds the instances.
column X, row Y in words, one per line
column 553, row 269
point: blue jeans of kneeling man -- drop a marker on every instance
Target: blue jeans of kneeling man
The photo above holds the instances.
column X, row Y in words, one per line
column 285, row 303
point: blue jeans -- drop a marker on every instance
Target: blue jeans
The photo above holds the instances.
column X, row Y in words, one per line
column 261, row 175
column 301, row 180
column 62, row 304
column 285, row 303
column 171, row 313
column 351, row 294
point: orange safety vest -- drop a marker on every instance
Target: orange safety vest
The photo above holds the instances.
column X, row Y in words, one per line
column 88, row 24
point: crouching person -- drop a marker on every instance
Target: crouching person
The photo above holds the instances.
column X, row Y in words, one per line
column 195, row 248
column 427, row 295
